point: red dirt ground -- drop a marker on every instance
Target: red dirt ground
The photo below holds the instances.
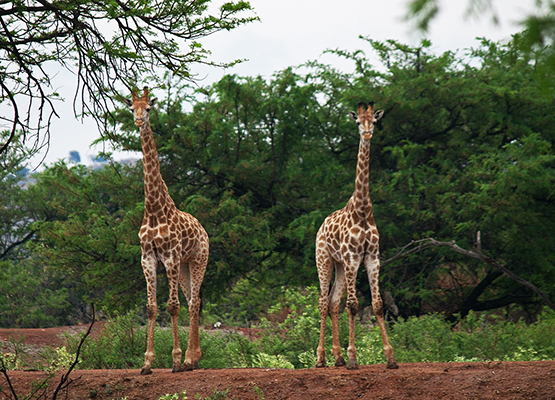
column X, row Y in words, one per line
column 417, row 381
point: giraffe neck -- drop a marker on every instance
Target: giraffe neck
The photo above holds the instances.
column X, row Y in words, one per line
column 361, row 196
column 156, row 191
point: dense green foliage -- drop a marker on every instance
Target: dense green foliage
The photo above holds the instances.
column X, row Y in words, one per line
column 466, row 145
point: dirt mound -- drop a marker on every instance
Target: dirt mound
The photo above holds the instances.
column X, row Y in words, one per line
column 514, row 380
column 417, row 381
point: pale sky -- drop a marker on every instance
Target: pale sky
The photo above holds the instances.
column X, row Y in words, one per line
column 292, row 32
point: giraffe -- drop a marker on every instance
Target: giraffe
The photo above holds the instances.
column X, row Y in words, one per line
column 172, row 237
column 347, row 238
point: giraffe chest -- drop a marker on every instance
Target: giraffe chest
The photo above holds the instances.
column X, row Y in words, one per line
column 346, row 237
column 170, row 237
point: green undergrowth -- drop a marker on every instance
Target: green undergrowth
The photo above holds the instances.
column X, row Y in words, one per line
column 292, row 342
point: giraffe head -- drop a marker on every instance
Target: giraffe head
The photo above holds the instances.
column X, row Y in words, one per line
column 366, row 119
column 141, row 107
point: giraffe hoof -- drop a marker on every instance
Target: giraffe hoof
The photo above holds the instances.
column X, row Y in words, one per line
column 189, row 367
column 392, row 365
column 321, row 364
column 352, row 365
column 177, row 369
column 146, row 371
column 340, row 362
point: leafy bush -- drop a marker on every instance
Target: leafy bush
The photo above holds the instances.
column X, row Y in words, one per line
column 292, row 343
column 263, row 360
column 491, row 338
column 423, row 339
column 370, row 348
column 226, row 350
column 300, row 331
column 120, row 345
column 478, row 337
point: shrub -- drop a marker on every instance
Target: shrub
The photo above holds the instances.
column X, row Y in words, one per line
column 120, row 345
column 226, row 350
column 424, row 339
column 292, row 343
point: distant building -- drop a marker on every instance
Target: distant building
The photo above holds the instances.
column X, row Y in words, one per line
column 74, row 157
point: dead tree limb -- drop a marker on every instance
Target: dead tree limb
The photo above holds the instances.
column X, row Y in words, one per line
column 412, row 247
column 419, row 245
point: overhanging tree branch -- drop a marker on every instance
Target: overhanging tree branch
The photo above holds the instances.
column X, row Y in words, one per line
column 134, row 41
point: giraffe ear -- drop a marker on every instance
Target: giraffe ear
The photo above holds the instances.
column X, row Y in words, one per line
column 152, row 101
column 353, row 115
column 378, row 114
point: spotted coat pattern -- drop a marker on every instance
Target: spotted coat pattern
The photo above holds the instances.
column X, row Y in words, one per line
column 348, row 238
column 171, row 237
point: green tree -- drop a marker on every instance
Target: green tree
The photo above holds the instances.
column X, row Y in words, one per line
column 30, row 295
column 535, row 40
column 91, row 236
column 14, row 219
column 261, row 164
column 456, row 141
column 465, row 145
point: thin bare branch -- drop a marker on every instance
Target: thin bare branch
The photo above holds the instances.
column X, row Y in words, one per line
column 65, row 381
column 4, row 371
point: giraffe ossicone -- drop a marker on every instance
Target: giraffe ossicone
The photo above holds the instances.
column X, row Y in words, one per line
column 173, row 238
column 347, row 239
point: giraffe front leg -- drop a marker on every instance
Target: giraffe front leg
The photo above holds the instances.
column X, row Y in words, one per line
column 352, row 309
column 321, row 351
column 336, row 346
column 377, row 306
column 152, row 310
column 149, row 269
column 373, row 269
column 173, row 310
column 325, row 270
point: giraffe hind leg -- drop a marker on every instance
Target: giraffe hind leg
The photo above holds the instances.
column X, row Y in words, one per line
column 185, row 280
column 352, row 309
